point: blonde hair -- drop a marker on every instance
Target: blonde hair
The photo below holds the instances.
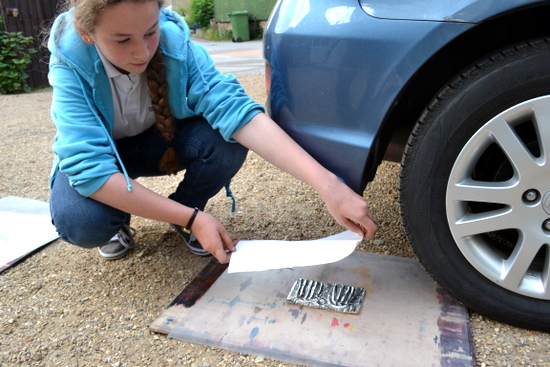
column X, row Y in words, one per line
column 87, row 12
column 86, row 17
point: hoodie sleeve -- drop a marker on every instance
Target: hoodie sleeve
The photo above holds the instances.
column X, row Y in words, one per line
column 83, row 147
column 219, row 98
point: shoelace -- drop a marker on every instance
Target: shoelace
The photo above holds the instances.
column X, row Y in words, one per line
column 125, row 236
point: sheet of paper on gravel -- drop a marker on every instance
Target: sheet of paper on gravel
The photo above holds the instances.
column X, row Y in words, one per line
column 268, row 255
column 26, row 226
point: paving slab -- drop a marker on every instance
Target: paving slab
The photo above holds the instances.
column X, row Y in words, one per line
column 243, row 58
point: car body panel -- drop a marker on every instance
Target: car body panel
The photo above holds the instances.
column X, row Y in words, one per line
column 472, row 11
column 337, row 72
column 305, row 45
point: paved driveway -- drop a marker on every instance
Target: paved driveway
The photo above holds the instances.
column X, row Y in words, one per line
column 235, row 57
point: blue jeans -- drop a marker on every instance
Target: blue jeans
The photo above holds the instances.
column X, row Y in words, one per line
column 209, row 163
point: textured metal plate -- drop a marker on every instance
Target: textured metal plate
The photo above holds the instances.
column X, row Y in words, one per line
column 326, row 296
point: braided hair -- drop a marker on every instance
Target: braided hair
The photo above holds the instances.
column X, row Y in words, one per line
column 158, row 89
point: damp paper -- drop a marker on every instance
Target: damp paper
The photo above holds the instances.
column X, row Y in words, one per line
column 261, row 255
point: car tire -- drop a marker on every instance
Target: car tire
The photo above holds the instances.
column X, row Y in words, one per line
column 475, row 186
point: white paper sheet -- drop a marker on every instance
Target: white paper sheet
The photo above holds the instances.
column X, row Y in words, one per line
column 25, row 226
column 265, row 255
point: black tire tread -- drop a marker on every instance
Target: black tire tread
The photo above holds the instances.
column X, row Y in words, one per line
column 451, row 90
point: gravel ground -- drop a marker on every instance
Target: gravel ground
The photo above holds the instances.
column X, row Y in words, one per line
column 65, row 306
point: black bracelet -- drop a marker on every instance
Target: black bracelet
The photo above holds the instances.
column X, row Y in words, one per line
column 187, row 228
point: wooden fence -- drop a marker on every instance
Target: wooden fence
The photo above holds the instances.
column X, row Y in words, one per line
column 31, row 17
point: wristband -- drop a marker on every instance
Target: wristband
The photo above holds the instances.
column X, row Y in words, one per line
column 187, row 228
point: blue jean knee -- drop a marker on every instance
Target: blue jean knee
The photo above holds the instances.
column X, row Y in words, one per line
column 82, row 221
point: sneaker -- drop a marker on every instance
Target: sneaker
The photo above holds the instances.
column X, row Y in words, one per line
column 191, row 242
column 119, row 245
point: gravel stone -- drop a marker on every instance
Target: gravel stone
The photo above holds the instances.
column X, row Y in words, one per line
column 65, row 306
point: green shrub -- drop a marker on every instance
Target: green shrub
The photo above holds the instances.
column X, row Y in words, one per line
column 186, row 16
column 14, row 59
column 181, row 11
column 256, row 31
column 218, row 34
column 202, row 11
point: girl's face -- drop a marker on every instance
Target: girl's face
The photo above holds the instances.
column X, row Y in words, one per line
column 127, row 34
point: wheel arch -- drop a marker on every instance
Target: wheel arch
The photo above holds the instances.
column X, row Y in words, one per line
column 489, row 36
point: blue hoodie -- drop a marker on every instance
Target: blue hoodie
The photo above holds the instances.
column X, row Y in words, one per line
column 82, row 107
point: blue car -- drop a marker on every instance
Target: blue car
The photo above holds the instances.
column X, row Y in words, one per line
column 458, row 91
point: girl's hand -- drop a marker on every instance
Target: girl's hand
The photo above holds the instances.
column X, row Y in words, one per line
column 213, row 237
column 349, row 209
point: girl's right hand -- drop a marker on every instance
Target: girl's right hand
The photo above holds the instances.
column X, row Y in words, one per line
column 213, row 237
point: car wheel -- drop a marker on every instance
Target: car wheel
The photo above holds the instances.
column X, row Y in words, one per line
column 475, row 186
